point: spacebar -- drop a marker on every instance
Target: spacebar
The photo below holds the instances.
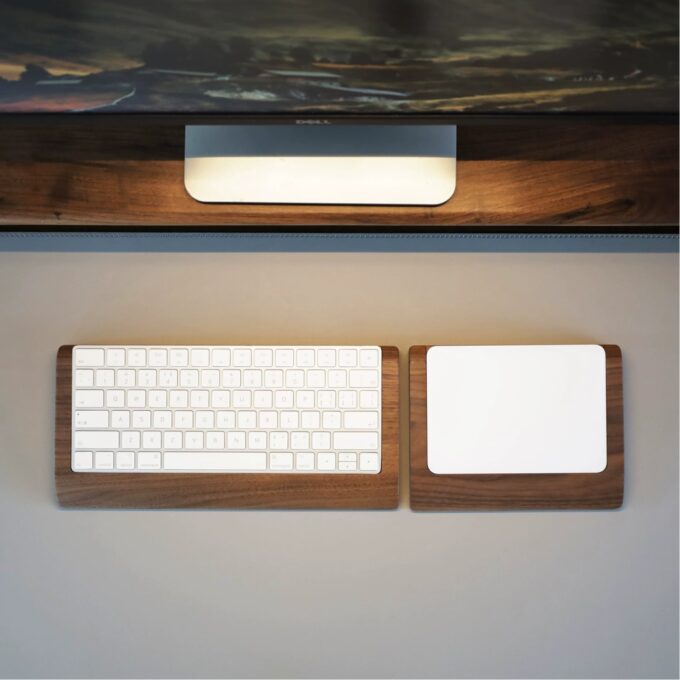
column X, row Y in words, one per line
column 214, row 460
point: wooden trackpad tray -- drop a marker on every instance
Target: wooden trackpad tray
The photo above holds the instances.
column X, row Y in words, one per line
column 516, row 427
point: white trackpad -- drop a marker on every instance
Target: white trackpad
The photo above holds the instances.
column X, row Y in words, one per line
column 516, row 409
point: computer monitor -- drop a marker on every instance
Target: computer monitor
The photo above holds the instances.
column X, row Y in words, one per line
column 335, row 101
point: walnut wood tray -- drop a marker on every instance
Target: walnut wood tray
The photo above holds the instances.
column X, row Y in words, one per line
column 232, row 490
column 514, row 491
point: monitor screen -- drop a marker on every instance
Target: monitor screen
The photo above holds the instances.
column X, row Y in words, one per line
column 348, row 57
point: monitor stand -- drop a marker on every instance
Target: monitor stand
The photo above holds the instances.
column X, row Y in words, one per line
column 322, row 163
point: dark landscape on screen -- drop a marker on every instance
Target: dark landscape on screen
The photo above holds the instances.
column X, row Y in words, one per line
column 338, row 56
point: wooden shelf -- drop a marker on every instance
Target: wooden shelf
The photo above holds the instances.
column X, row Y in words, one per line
column 576, row 177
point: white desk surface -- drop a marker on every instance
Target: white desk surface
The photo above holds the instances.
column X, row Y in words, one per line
column 338, row 594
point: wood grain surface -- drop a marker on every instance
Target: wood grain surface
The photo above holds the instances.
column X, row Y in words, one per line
column 233, row 490
column 554, row 176
column 514, row 491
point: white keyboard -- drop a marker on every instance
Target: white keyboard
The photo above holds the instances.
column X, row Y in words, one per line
column 226, row 409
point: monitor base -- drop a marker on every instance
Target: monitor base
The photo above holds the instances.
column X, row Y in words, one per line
column 319, row 163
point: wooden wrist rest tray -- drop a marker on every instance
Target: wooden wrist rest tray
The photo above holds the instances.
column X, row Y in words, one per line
column 429, row 491
column 230, row 490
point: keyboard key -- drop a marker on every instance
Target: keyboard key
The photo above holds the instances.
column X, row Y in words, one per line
column 221, row 357
column 363, row 378
column 158, row 399
column 179, row 357
column 141, row 419
column 304, row 461
column 168, row 378
column 210, row 378
column 321, row 441
column 347, row 358
column 136, row 398
column 115, row 398
column 269, row 420
column 305, row 399
column 148, row 460
column 305, row 357
column 331, row 420
column 200, row 357
column 82, row 460
column 130, row 440
column 84, row 378
column 199, row 398
column 369, row 462
column 326, row 461
column 115, row 356
column 179, row 398
column 146, row 377
column 299, row 440
column 120, row 419
column 241, row 398
column 278, row 441
column 89, row 398
column 326, row 399
column 347, row 466
column 126, row 377
column 205, row 420
column 103, row 460
column 158, row 357
column 310, row 420
column 172, row 440
column 295, row 378
column 188, row 377
column 257, row 440
column 290, row 420
column 369, row 358
column 215, row 440
column 219, row 398
column 273, row 378
column 226, row 419
column 236, row 440
column 136, row 357
column 252, row 378
column 231, row 378
column 151, row 440
column 347, row 399
column 92, row 419
column 361, row 420
column 284, row 358
column 125, row 460
column 246, row 420
column 162, row 419
column 263, row 357
column 344, row 441
column 284, row 399
column 337, row 379
column 89, row 357
column 368, row 399
column 242, row 357
column 193, row 440
column 281, row 461
column 263, row 398
column 316, row 378
column 97, row 439
column 326, row 357
column 223, row 461
column 104, row 377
